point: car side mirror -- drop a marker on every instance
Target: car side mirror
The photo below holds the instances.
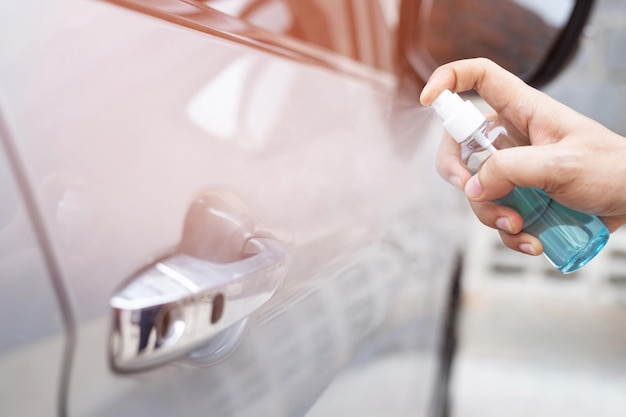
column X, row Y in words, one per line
column 532, row 38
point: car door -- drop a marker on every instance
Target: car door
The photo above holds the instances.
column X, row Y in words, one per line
column 242, row 224
column 33, row 333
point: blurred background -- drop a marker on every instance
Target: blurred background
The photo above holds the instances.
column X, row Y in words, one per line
column 533, row 342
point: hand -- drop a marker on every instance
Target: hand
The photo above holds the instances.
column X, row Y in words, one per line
column 577, row 161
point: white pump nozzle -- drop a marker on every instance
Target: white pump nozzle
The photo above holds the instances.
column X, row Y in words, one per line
column 460, row 118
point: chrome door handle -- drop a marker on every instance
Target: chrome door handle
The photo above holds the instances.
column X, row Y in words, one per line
column 179, row 304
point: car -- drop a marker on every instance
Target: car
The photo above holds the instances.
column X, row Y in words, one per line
column 230, row 208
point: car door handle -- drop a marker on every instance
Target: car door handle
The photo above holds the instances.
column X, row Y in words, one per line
column 180, row 303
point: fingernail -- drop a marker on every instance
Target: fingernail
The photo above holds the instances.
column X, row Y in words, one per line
column 422, row 96
column 456, row 181
column 473, row 188
column 504, row 224
column 527, row 248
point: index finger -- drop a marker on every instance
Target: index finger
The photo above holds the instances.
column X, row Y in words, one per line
column 498, row 87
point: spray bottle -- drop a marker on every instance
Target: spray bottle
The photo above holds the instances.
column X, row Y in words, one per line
column 570, row 239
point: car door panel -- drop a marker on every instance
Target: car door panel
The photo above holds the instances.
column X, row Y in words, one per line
column 122, row 120
column 33, row 332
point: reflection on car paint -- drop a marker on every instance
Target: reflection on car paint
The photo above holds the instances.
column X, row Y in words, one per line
column 245, row 101
column 343, row 35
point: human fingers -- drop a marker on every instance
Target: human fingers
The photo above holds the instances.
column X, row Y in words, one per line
column 498, row 216
column 523, row 166
column 496, row 86
column 522, row 242
column 509, row 225
column 449, row 165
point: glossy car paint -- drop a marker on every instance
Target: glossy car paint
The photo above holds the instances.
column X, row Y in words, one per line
column 32, row 336
column 119, row 120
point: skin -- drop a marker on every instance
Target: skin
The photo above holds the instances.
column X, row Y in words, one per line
column 577, row 161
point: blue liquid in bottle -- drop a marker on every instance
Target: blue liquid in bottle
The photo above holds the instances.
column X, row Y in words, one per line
column 570, row 239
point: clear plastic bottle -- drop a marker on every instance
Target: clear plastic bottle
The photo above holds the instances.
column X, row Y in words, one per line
column 570, row 239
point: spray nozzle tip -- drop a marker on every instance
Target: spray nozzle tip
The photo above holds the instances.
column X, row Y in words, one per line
column 447, row 104
column 460, row 118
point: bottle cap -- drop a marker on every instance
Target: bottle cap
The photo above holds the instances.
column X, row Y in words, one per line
column 460, row 118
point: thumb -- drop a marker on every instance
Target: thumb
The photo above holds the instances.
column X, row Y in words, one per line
column 523, row 166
